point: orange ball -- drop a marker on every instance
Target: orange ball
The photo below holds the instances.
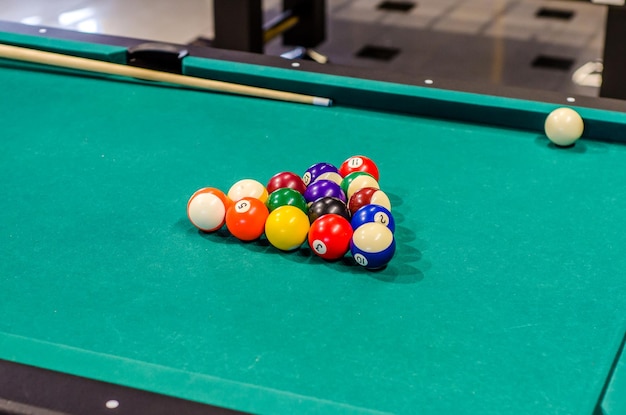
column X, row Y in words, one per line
column 246, row 219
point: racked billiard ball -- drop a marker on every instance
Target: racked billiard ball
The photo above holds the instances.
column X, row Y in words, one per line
column 313, row 172
column 284, row 197
column 285, row 179
column 286, row 228
column 324, row 188
column 329, row 237
column 247, row 188
column 356, row 181
column 373, row 213
column 206, row 209
column 359, row 163
column 332, row 176
column 328, row 205
column 372, row 245
column 245, row 219
column 368, row 196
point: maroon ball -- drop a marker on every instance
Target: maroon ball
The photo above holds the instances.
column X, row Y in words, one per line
column 361, row 198
column 286, row 179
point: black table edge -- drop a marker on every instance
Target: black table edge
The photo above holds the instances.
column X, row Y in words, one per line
column 330, row 69
column 31, row 390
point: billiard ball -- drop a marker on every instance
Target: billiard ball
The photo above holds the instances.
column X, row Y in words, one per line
column 329, row 237
column 373, row 213
column 359, row 163
column 564, row 126
column 247, row 188
column 316, row 170
column 324, row 188
column 368, row 196
column 372, row 245
column 245, row 219
column 328, row 205
column 332, row 176
column 286, row 196
column 286, row 228
column 356, row 181
column 285, row 179
column 206, row 209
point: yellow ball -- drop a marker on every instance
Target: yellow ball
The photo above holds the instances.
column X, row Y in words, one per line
column 564, row 126
column 287, row 228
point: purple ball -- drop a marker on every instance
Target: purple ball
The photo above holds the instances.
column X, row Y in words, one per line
column 316, row 171
column 324, row 188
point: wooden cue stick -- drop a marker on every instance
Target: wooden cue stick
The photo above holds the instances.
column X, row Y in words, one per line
column 282, row 27
column 92, row 65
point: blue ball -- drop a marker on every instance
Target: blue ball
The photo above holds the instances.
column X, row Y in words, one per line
column 323, row 188
column 372, row 245
column 316, row 171
column 373, row 213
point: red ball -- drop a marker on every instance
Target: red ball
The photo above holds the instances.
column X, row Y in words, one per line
column 246, row 219
column 286, row 179
column 329, row 237
column 359, row 163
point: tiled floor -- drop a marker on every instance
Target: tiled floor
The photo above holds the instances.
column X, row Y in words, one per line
column 486, row 41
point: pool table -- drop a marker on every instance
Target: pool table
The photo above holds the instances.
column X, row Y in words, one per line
column 507, row 292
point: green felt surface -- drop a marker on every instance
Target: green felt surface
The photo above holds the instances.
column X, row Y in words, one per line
column 614, row 401
column 109, row 53
column 506, row 294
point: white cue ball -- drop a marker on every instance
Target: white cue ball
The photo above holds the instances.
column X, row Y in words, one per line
column 564, row 126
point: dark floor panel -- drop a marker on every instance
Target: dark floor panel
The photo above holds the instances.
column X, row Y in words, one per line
column 553, row 62
column 381, row 53
column 436, row 54
column 559, row 14
column 397, row 6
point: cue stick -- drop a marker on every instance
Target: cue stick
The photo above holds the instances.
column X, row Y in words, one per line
column 92, row 65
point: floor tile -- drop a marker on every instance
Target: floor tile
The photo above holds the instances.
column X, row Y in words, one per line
column 484, row 41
